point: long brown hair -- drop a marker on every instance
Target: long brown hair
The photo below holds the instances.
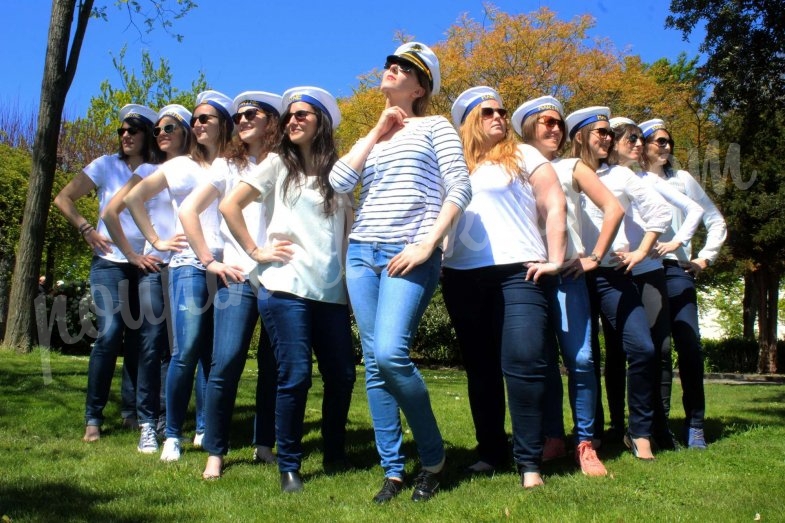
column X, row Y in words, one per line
column 581, row 149
column 237, row 150
column 324, row 155
column 225, row 126
column 504, row 153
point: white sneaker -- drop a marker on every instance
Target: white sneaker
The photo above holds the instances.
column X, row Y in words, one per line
column 148, row 442
column 198, row 437
column 171, row 450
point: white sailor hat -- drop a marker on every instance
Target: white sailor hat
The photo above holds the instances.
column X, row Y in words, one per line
column 318, row 98
column 221, row 102
column 537, row 105
column 584, row 117
column 421, row 56
column 651, row 126
column 268, row 102
column 176, row 111
column 469, row 99
column 137, row 111
column 618, row 121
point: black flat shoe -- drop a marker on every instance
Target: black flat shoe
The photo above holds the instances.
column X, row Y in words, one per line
column 291, row 482
column 425, row 485
column 390, row 489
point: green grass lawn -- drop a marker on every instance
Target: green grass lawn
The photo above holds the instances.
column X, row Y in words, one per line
column 49, row 474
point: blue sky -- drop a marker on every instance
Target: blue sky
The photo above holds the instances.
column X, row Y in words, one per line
column 274, row 45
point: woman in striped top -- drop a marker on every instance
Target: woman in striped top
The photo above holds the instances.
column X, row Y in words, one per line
column 415, row 184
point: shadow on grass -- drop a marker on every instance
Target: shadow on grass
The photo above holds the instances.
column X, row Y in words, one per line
column 60, row 501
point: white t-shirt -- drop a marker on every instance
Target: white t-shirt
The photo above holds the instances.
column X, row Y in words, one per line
column 159, row 209
column 315, row 271
column 499, row 226
column 716, row 230
column 183, row 175
column 653, row 214
column 225, row 176
column 564, row 169
column 109, row 174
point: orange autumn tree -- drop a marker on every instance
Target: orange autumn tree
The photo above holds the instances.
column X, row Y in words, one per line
column 528, row 55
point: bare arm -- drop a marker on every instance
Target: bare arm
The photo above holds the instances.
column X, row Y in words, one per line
column 590, row 184
column 231, row 208
column 111, row 217
column 552, row 208
column 135, row 200
column 189, row 213
column 80, row 186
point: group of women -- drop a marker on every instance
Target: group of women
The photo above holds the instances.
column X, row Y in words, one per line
column 248, row 213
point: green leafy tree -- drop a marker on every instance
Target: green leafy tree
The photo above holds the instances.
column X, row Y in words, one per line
column 67, row 28
column 745, row 46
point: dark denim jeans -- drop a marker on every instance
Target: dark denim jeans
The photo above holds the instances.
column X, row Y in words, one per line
column 153, row 344
column 683, row 301
column 235, row 317
column 475, row 302
column 299, row 328
column 192, row 317
column 620, row 304
column 114, row 288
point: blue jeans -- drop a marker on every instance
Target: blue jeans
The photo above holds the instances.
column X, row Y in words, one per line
column 297, row 326
column 683, row 301
column 654, row 296
column 192, row 317
column 570, row 313
column 153, row 345
column 114, row 289
column 620, row 304
column 235, row 316
column 476, row 305
column 388, row 311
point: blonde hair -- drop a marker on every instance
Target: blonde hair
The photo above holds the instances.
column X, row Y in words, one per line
column 505, row 153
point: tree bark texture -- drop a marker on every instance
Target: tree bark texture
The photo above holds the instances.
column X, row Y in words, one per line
column 767, row 282
column 59, row 69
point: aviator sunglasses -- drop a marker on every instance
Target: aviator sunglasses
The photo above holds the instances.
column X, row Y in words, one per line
column 249, row 114
column 487, row 112
column 403, row 67
column 130, row 130
column 166, row 129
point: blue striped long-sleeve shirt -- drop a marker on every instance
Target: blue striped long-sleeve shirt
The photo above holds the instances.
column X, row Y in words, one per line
column 405, row 182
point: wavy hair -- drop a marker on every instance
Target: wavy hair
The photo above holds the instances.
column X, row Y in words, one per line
column 225, row 126
column 237, row 150
column 323, row 156
column 504, row 153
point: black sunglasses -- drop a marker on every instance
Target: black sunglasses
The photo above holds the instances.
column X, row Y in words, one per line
column 633, row 138
column 551, row 122
column 487, row 112
column 169, row 128
column 202, row 119
column 603, row 132
column 249, row 114
column 403, row 67
column 300, row 115
column 662, row 142
column 130, row 130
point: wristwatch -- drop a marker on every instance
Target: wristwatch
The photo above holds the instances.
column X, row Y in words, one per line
column 593, row 257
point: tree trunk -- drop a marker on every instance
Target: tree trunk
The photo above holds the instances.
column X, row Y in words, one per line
column 768, row 283
column 59, row 69
column 749, row 305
